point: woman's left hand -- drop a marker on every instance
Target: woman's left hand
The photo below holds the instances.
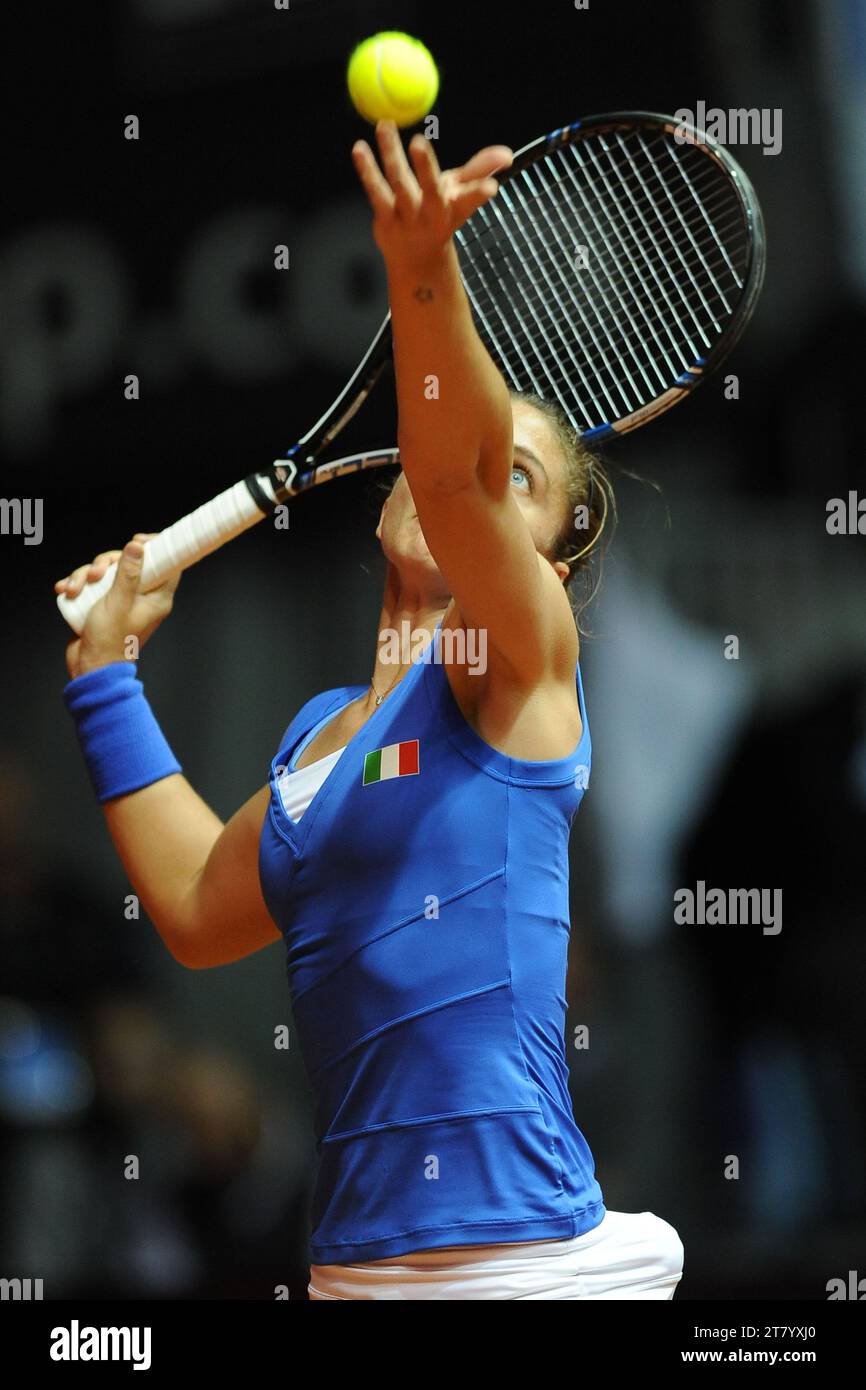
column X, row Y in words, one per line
column 415, row 215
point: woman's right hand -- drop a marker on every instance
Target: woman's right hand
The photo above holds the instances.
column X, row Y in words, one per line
column 123, row 612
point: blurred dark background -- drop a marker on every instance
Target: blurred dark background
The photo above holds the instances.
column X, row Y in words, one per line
column 155, row 257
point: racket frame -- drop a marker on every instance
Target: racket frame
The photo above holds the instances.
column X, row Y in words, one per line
column 299, row 468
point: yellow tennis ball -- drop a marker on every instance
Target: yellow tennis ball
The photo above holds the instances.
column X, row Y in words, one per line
column 392, row 76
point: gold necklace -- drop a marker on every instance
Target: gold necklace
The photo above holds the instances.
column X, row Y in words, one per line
column 380, row 698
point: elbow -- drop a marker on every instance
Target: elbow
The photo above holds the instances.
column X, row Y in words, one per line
column 435, row 470
column 187, row 963
column 182, row 948
column 181, row 958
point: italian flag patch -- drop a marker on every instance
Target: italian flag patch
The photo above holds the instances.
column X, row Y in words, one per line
column 397, row 760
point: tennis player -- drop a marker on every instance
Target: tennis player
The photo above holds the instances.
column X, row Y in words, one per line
column 410, row 845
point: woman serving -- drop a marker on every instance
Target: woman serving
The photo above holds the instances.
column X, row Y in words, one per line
column 411, row 843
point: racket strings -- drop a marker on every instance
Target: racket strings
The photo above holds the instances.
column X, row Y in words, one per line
column 477, row 232
column 626, row 323
column 734, row 216
column 630, row 334
column 641, row 299
column 707, row 174
column 691, row 291
column 667, row 246
column 636, row 242
column 619, row 336
column 608, row 207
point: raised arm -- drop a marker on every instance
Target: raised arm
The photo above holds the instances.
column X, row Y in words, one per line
column 455, row 416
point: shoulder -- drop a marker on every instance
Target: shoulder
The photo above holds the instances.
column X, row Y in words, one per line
column 316, row 708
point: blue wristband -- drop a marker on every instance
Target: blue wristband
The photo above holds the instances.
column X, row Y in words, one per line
column 123, row 745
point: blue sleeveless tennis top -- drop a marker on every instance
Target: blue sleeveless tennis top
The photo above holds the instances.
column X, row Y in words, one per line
column 423, row 899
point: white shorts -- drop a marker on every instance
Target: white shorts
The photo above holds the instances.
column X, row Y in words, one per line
column 628, row 1255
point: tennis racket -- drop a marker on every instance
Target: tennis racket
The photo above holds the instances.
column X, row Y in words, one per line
column 615, row 268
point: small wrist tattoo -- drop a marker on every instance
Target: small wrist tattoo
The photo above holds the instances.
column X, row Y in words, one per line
column 424, row 293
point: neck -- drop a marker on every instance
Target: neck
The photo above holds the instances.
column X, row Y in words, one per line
column 407, row 620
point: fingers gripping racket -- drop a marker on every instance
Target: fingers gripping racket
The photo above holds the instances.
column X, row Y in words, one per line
column 616, row 267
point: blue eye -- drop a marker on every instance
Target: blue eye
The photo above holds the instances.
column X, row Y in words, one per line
column 523, row 471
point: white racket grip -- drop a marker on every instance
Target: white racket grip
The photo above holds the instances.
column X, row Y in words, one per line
column 178, row 547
